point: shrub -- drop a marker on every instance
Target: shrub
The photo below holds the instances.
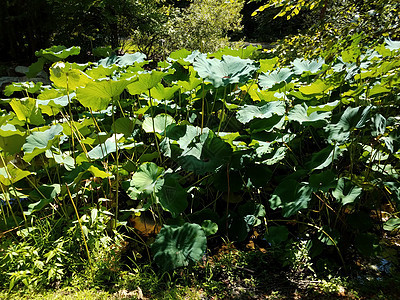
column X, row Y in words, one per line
column 204, row 25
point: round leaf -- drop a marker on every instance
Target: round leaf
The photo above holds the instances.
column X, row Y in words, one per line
column 179, row 246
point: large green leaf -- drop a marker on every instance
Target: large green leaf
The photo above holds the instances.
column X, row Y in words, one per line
column 97, row 95
column 276, row 235
column 346, row 192
column 352, row 118
column 323, row 181
column 179, row 246
column 148, row 178
column 261, row 125
column 160, row 92
column 379, row 125
column 316, row 119
column 185, row 57
column 253, row 214
column 161, row 122
column 392, row 224
column 11, row 138
column 124, row 125
column 203, row 152
column 26, row 110
column 291, row 196
column 323, row 107
column 316, row 88
column 191, row 83
column 241, row 53
column 260, row 111
column 172, row 196
column 103, row 149
column 209, row 227
column 36, row 67
column 63, row 75
column 47, row 191
column 226, row 71
column 267, row 65
column 324, row 158
column 57, row 53
column 39, row 141
column 11, row 174
column 267, row 81
column 124, row 60
column 145, row 82
column 75, row 176
column 310, row 67
column 29, row 87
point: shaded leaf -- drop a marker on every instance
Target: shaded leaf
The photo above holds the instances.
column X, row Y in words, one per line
column 346, row 192
column 179, row 246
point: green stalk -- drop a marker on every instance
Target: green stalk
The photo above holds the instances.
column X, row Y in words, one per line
column 9, row 205
column 202, row 107
column 223, row 112
column 80, row 225
column 12, row 184
column 117, row 162
column 154, row 128
column 71, row 121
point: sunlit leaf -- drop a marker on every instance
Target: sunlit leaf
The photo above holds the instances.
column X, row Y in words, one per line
column 261, row 111
column 103, row 149
column 29, row 87
column 267, row 81
column 57, row 53
column 148, row 178
column 97, row 95
column 39, row 141
column 300, row 66
column 300, row 114
column 26, row 110
column 145, row 82
column 124, row 60
column 64, row 76
column 226, row 71
column 161, row 122
column 12, row 174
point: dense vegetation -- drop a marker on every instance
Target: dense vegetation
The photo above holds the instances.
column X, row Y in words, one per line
column 124, row 164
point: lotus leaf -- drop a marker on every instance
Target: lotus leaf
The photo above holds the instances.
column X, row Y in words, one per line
column 226, row 71
column 179, row 246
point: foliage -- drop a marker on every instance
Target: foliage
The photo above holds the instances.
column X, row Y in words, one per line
column 333, row 24
column 89, row 24
column 48, row 253
column 203, row 145
column 204, row 25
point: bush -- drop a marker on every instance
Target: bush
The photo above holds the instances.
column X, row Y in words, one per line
column 204, row 25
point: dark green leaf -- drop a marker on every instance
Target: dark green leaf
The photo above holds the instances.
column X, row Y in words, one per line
column 178, row 246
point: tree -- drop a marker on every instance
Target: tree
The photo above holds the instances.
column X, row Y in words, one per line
column 204, row 25
column 335, row 21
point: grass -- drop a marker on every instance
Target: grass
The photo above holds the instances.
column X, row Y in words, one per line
column 228, row 271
